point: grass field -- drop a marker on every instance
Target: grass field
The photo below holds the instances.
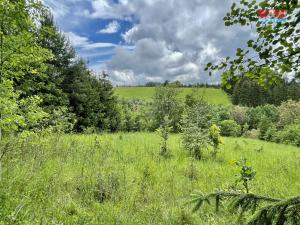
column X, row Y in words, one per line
column 120, row 179
column 212, row 95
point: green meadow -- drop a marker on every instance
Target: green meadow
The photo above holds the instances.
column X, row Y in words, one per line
column 121, row 179
column 211, row 95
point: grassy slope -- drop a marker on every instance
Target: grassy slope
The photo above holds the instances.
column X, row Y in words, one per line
column 212, row 95
column 55, row 180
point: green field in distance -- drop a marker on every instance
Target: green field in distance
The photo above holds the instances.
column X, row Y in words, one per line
column 211, row 95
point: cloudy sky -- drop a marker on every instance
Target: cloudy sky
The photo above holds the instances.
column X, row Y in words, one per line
column 138, row 41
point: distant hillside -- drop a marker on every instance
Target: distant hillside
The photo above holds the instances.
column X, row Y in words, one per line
column 212, row 95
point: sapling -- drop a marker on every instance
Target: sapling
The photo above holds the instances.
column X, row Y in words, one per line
column 164, row 132
column 246, row 174
column 267, row 210
column 215, row 138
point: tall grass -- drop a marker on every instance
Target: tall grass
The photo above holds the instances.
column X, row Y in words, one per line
column 122, row 179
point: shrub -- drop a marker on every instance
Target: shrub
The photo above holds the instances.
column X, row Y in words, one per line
column 230, row 128
column 263, row 127
column 290, row 134
column 288, row 113
column 221, row 113
column 61, row 120
column 167, row 102
column 215, row 138
column 239, row 115
column 254, row 134
column 195, row 141
column 256, row 115
column 271, row 134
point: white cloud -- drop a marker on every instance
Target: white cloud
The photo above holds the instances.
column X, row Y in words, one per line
column 169, row 40
column 105, row 9
column 84, row 43
column 174, row 39
column 61, row 8
column 111, row 28
column 76, row 40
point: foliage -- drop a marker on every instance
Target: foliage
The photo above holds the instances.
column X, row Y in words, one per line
column 290, row 134
column 239, row 115
column 277, row 211
column 271, row 134
column 283, row 212
column 245, row 202
column 263, row 126
column 195, row 139
column 196, row 123
column 276, row 45
column 9, row 108
column 24, row 114
column 164, row 132
column 230, row 128
column 260, row 113
column 61, row 120
column 215, row 138
column 91, row 99
column 132, row 116
column 166, row 102
column 254, row 134
column 246, row 173
column 221, row 113
column 288, row 112
column 247, row 92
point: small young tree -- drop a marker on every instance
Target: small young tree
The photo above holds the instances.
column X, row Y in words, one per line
column 195, row 126
column 215, row 138
column 274, row 211
column 164, row 132
column 246, row 174
column 166, row 102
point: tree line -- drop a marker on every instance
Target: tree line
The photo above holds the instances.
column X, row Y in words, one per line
column 43, row 82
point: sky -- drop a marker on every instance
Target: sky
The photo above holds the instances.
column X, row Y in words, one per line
column 139, row 41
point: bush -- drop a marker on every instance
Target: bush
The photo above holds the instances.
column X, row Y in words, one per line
column 271, row 134
column 289, row 112
column 221, row 113
column 167, row 102
column 230, row 128
column 256, row 115
column 264, row 126
column 254, row 134
column 239, row 115
column 290, row 134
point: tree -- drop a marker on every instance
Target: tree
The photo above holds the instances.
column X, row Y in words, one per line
column 166, row 102
column 49, row 37
column 164, row 132
column 196, row 125
column 248, row 92
column 91, row 99
column 277, row 45
column 20, row 57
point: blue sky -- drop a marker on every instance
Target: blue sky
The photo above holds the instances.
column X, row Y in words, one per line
column 138, row 41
